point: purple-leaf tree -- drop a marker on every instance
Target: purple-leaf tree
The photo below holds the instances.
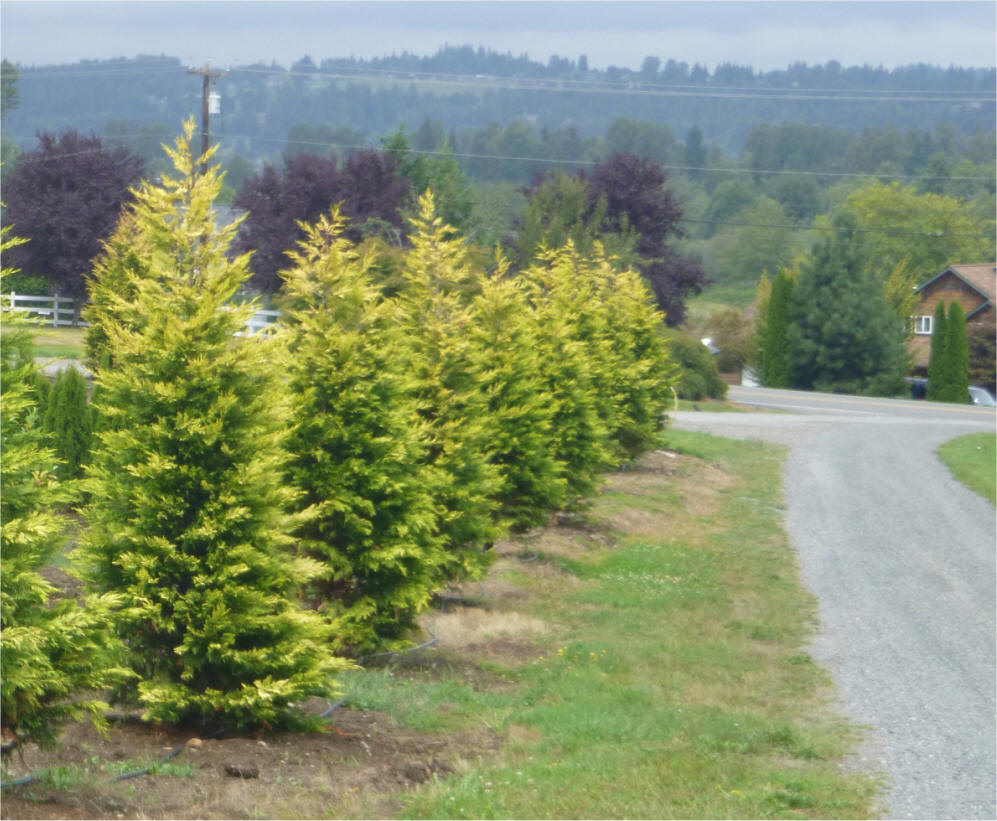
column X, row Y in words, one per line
column 368, row 187
column 636, row 198
column 65, row 198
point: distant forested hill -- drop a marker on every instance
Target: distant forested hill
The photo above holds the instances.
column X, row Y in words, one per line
column 462, row 89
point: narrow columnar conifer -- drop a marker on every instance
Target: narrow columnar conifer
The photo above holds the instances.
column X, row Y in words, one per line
column 956, row 356
column 69, row 421
column 358, row 447
column 435, row 316
column 189, row 519
column 938, row 358
column 55, row 652
column 774, row 344
column 519, row 415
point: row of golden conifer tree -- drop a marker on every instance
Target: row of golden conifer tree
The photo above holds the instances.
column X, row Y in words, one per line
column 262, row 512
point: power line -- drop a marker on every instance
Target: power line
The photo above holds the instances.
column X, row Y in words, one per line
column 554, row 160
column 887, row 231
column 544, row 160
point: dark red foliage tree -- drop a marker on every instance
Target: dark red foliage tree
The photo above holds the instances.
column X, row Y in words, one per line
column 372, row 189
column 368, row 186
column 627, row 196
column 637, row 198
column 65, row 198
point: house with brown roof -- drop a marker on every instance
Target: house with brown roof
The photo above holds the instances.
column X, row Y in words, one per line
column 972, row 286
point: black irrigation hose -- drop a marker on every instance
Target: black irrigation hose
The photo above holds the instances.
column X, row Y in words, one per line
column 136, row 773
column 17, row 782
column 333, row 708
column 422, row 646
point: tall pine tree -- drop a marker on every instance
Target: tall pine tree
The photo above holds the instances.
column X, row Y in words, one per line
column 188, row 518
column 844, row 336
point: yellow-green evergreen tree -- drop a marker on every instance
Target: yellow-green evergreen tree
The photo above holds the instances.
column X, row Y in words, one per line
column 189, row 519
column 358, row 448
column 518, row 414
column 435, row 317
column 574, row 372
column 54, row 652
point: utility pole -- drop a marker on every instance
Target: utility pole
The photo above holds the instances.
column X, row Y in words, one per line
column 208, row 74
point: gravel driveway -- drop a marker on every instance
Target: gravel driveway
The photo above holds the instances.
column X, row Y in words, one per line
column 902, row 560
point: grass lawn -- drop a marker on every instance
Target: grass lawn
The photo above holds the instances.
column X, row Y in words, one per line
column 670, row 678
column 973, row 461
column 59, row 343
column 718, row 298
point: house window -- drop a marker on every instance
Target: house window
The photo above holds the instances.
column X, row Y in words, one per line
column 922, row 325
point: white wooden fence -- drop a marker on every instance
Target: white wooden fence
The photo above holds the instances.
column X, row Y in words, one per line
column 51, row 310
column 59, row 311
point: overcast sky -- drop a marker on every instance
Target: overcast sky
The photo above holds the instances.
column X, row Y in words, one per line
column 765, row 35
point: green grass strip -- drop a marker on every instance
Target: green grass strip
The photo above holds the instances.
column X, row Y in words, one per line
column 973, row 461
column 677, row 684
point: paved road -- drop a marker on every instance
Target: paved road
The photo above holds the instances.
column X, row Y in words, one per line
column 902, row 560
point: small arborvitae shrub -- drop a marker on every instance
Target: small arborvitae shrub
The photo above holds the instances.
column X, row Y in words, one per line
column 358, row 448
column 434, row 315
column 188, row 519
column 54, row 652
column 70, row 422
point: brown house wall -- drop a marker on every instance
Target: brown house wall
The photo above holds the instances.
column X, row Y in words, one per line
column 948, row 289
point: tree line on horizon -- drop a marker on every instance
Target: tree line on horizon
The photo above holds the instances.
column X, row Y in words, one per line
column 261, row 103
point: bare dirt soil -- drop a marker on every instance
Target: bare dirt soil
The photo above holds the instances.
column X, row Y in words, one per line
column 356, row 768
column 352, row 769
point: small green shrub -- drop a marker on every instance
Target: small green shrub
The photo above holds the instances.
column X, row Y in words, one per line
column 698, row 377
column 69, row 420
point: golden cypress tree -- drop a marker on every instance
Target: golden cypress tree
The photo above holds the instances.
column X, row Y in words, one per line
column 435, row 316
column 358, row 448
column 54, row 652
column 518, row 414
column 573, row 368
column 189, row 520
